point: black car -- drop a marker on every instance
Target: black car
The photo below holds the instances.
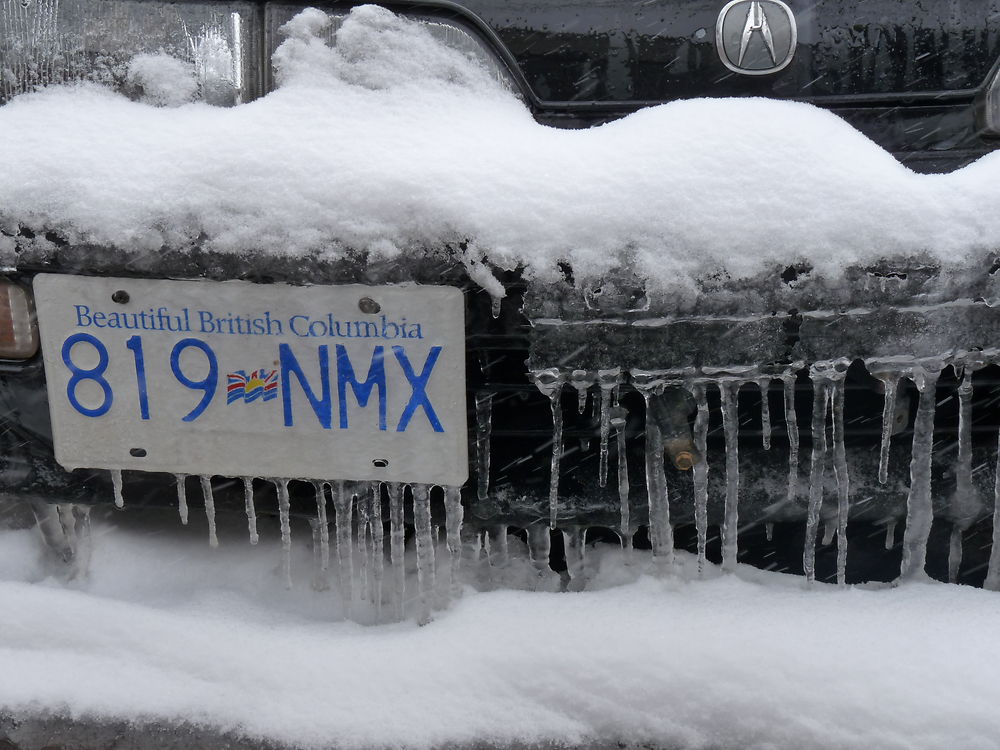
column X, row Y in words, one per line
column 768, row 407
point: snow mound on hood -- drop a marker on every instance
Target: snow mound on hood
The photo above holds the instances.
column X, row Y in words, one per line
column 390, row 141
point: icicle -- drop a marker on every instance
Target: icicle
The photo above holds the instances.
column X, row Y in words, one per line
column 85, row 541
column 765, row 412
column 378, row 553
column 919, row 508
column 453, row 527
column 700, row 473
column 425, row 549
column 890, row 381
column 792, row 428
column 284, row 511
column 829, row 529
column 550, row 382
column 730, row 422
column 840, row 474
column 575, row 545
column 324, row 528
column 397, row 548
column 821, row 399
column 619, row 419
column 557, row 442
column 769, row 531
column 182, row 502
column 539, row 549
column 495, row 303
column 251, row 511
column 890, row 533
column 581, row 381
column 206, row 491
column 116, row 486
column 497, row 538
column 992, row 582
column 344, row 511
column 660, row 531
column 607, row 380
column 363, row 505
column 964, row 493
column 484, row 419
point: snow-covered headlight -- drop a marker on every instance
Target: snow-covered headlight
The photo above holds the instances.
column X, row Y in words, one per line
column 165, row 52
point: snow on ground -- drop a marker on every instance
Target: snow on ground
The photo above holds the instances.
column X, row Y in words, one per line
column 165, row 629
column 394, row 143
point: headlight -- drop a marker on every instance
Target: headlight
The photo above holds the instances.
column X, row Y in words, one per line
column 171, row 52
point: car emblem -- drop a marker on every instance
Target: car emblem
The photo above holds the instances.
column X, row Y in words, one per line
column 755, row 37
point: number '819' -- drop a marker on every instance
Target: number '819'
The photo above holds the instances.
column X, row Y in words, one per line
column 95, row 374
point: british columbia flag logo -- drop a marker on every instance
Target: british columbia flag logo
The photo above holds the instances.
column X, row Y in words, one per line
column 258, row 385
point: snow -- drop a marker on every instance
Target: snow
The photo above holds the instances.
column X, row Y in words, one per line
column 167, row 629
column 394, row 143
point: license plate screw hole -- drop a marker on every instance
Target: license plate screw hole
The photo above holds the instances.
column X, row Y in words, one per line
column 121, row 297
column 380, row 463
column 369, row 306
column 137, row 452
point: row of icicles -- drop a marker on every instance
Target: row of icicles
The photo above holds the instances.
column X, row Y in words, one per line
column 361, row 500
column 828, row 381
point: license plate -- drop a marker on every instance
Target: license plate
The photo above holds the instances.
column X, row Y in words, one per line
column 240, row 379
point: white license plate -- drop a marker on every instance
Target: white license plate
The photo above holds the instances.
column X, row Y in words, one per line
column 239, row 379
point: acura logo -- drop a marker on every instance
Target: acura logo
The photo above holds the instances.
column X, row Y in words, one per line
column 755, row 37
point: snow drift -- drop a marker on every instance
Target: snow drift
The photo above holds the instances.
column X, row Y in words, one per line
column 393, row 143
column 166, row 629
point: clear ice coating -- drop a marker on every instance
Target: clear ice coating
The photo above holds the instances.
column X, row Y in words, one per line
column 343, row 508
column 206, row 491
column 792, row 429
column 890, row 384
column 700, row 472
column 840, row 472
column 116, row 486
column 251, row 510
column 182, row 501
column 919, row 507
column 821, row 399
column 550, row 383
column 484, row 420
column 729, row 390
column 397, row 547
column 425, row 549
column 454, row 515
column 284, row 516
column 764, row 384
